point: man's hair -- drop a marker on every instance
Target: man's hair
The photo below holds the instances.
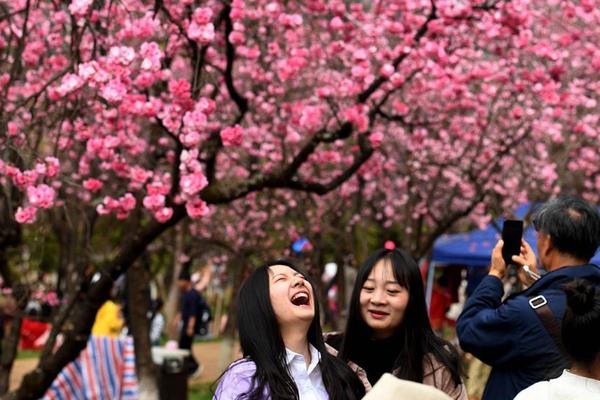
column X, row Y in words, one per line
column 184, row 275
column 573, row 226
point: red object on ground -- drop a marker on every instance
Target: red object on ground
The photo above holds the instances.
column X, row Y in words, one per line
column 441, row 299
column 30, row 331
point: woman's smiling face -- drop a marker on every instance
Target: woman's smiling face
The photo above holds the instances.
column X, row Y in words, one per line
column 383, row 300
column 291, row 295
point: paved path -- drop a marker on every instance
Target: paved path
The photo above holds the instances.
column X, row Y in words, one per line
column 215, row 356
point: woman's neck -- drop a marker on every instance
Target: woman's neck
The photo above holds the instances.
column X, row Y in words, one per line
column 296, row 341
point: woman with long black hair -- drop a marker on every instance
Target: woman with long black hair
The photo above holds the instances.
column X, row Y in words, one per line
column 388, row 328
column 282, row 343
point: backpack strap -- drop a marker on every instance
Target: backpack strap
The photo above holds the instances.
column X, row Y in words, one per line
column 545, row 314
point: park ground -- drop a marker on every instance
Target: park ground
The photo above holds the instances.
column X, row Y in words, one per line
column 214, row 355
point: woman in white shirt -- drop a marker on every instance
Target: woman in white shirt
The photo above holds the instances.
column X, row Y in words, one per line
column 282, row 343
column 580, row 330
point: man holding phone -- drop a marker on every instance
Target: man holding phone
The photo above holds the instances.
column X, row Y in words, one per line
column 520, row 337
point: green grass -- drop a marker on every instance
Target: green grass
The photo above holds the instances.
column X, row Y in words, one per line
column 21, row 354
column 200, row 392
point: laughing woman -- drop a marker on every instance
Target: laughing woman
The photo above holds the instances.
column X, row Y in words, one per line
column 388, row 329
column 284, row 356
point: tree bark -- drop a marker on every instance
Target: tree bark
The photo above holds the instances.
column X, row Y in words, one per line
column 10, row 344
column 172, row 300
column 138, row 299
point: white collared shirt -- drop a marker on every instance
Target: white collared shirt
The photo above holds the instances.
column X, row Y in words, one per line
column 308, row 379
column 568, row 386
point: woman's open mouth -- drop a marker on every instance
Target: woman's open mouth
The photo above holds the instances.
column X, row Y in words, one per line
column 301, row 299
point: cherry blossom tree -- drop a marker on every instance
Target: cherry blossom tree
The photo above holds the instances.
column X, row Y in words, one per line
column 146, row 113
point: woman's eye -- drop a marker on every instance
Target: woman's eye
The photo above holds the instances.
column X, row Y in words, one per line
column 368, row 289
column 393, row 291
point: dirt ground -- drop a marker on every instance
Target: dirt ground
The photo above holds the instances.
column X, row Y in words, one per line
column 215, row 356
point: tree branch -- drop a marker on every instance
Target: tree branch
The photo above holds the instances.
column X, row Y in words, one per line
column 241, row 101
column 364, row 96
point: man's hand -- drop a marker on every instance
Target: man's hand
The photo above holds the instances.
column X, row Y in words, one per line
column 190, row 327
column 527, row 257
column 498, row 266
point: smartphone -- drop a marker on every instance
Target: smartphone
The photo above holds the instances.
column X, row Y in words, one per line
column 512, row 232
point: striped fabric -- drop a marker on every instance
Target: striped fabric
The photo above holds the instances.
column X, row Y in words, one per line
column 105, row 370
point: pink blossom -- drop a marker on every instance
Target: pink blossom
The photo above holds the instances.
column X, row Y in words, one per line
column 79, row 8
column 52, row 166
column 92, row 184
column 164, row 214
column 121, row 55
column 139, row 175
column 196, row 208
column 13, row 129
column 232, row 136
column 41, row 196
column 26, row 215
column 69, row 84
column 190, row 139
column 152, row 56
column 193, row 183
column 236, row 37
column 4, row 78
column 114, row 91
column 202, row 15
column 311, row 118
column 336, row 23
column 400, row 108
column 157, row 187
column 40, row 168
column 386, row 70
column 203, row 34
column 154, row 202
column 127, row 202
column 376, row 138
column 358, row 117
column 205, row 105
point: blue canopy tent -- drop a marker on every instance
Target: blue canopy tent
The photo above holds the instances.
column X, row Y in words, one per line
column 474, row 248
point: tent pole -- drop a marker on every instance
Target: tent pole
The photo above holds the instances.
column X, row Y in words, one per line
column 429, row 287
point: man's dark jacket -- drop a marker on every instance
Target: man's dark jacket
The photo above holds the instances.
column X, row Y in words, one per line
column 509, row 335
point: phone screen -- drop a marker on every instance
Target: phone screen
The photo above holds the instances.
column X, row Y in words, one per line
column 512, row 232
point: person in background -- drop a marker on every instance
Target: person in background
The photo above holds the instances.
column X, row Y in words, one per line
column 580, row 330
column 186, row 319
column 515, row 337
column 388, row 329
column 282, row 343
column 157, row 322
column 109, row 319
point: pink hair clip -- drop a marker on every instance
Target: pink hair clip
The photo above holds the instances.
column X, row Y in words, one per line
column 389, row 245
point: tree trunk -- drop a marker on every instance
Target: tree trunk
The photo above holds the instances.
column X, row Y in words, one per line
column 340, row 279
column 172, row 290
column 10, row 344
column 138, row 299
column 78, row 324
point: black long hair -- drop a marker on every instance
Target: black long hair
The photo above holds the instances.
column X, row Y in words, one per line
column 418, row 342
column 262, row 343
column 581, row 322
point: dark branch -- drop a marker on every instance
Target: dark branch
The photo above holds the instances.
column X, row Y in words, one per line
column 241, row 101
